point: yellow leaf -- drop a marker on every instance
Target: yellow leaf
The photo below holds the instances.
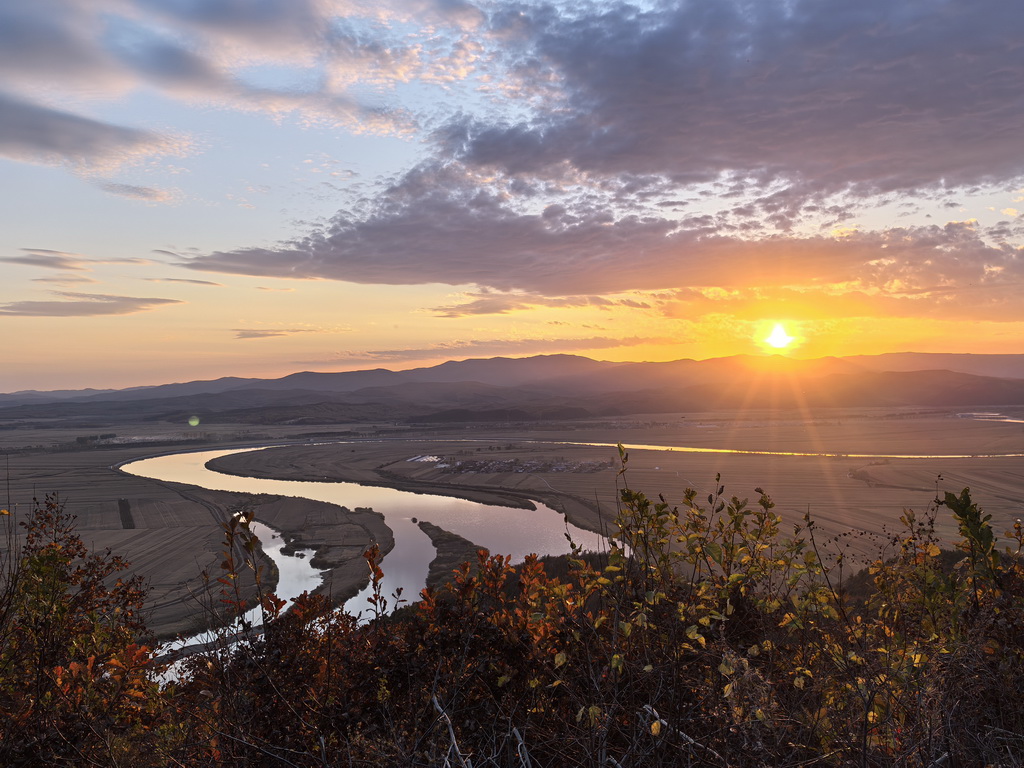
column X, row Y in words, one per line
column 656, row 728
column 559, row 659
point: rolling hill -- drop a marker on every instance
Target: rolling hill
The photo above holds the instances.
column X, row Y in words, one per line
column 547, row 387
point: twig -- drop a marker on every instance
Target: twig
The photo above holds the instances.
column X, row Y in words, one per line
column 686, row 739
column 465, row 762
column 524, row 756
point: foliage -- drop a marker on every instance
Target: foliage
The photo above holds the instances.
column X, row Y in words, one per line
column 703, row 635
column 74, row 655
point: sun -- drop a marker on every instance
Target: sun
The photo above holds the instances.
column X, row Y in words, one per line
column 778, row 338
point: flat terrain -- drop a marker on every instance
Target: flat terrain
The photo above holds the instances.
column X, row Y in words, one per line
column 172, row 533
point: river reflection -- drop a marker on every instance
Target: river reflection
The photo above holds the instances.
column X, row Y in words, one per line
column 515, row 532
column 504, row 530
column 741, row 452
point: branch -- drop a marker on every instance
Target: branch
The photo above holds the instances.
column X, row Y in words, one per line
column 465, row 762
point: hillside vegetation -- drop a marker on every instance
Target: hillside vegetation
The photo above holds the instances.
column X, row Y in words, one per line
column 705, row 635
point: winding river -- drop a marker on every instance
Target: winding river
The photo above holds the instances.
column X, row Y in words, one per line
column 515, row 532
column 504, row 530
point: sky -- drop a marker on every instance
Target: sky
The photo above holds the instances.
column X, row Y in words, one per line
column 204, row 188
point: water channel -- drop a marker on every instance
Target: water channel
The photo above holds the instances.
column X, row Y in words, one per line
column 502, row 530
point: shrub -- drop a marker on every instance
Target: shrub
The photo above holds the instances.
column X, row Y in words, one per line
column 74, row 654
column 703, row 635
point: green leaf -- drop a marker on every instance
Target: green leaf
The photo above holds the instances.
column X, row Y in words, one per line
column 714, row 551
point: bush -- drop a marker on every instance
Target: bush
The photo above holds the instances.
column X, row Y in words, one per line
column 702, row 636
column 74, row 653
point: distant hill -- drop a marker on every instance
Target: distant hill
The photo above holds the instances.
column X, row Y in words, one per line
column 547, row 387
column 631, row 377
column 998, row 366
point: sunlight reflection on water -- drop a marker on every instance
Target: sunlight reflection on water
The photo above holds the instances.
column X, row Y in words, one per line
column 516, row 532
column 504, row 530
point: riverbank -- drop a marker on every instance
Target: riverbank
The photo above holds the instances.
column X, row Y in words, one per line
column 857, row 498
column 402, row 466
column 171, row 532
column 336, row 536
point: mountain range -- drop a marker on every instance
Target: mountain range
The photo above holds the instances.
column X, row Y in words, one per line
column 547, row 387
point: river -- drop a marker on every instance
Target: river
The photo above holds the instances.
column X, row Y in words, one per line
column 502, row 530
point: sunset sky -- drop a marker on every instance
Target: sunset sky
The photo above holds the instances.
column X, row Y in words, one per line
column 202, row 188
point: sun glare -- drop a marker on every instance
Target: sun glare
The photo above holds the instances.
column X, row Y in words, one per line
column 778, row 338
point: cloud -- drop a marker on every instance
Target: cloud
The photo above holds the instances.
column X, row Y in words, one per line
column 149, row 194
column 65, row 280
column 439, row 225
column 36, row 133
column 266, row 333
column 55, row 40
column 64, row 261
column 991, row 300
column 857, row 95
column 609, row 147
column 457, row 349
column 181, row 280
column 489, row 302
column 56, row 56
column 201, row 72
column 83, row 305
column 41, row 257
column 862, row 95
column 276, row 23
